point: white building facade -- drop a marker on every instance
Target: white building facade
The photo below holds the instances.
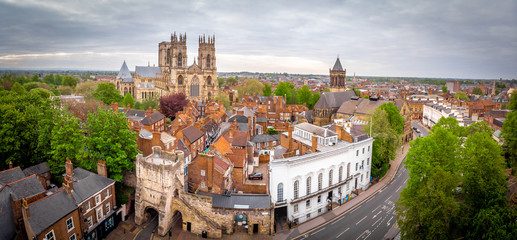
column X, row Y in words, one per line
column 301, row 187
column 433, row 112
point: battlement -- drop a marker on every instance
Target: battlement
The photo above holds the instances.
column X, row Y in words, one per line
column 207, row 40
column 181, row 38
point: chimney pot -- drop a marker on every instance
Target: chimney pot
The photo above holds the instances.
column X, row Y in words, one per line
column 101, row 168
column 69, row 167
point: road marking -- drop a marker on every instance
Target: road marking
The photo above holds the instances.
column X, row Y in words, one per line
column 374, row 216
column 376, row 208
column 398, row 188
column 405, row 181
column 342, row 233
column 318, row 231
column 389, row 220
column 367, row 232
column 376, row 222
column 337, row 220
column 361, row 220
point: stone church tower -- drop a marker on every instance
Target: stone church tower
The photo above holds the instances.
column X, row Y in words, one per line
column 337, row 77
column 197, row 81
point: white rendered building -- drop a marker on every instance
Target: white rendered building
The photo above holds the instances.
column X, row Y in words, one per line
column 302, row 186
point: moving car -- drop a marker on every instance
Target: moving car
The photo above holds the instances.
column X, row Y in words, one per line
column 255, row 176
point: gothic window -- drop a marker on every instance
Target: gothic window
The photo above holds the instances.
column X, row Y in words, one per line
column 180, row 60
column 125, row 91
column 320, row 180
column 330, row 177
column 340, row 173
column 308, row 185
column 296, row 185
column 280, row 195
column 194, row 87
column 209, row 81
column 180, row 80
column 208, row 61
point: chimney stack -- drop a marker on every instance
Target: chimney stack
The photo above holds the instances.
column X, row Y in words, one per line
column 149, row 112
column 290, row 134
column 10, row 164
column 102, row 169
column 114, row 106
column 314, row 142
column 128, row 107
column 69, row 167
column 25, row 208
column 250, row 130
column 210, row 169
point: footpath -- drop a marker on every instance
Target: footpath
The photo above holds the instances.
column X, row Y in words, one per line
column 348, row 206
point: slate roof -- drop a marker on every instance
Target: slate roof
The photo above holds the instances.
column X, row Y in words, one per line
column 333, row 99
column 8, row 230
column 242, row 201
column 322, row 132
column 135, row 115
column 261, row 138
column 192, row 133
column 279, row 151
column 243, row 127
column 247, row 112
column 27, row 187
column 337, row 66
column 148, row 72
column 49, row 210
column 145, row 134
column 155, row 117
column 261, row 119
column 36, row 169
column 238, row 118
column 124, row 74
column 87, row 184
column 11, row 175
column 240, row 138
column 220, row 165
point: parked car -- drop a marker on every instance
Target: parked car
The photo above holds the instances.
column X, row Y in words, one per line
column 417, row 131
column 255, row 176
column 414, row 128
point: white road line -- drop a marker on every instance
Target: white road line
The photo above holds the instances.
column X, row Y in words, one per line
column 374, row 216
column 388, row 223
column 318, row 231
column 376, row 222
column 405, row 181
column 360, row 220
column 337, row 220
column 376, row 208
column 342, row 233
column 398, row 189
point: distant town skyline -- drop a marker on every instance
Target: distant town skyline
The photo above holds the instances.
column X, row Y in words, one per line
column 447, row 39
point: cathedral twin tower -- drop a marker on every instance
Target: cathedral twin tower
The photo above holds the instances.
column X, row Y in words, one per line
column 173, row 75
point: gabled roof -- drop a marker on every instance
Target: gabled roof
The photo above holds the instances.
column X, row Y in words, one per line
column 155, row 117
column 337, row 66
column 36, row 169
column 261, row 138
column 333, row 99
column 240, row 138
column 192, row 133
column 220, row 165
column 27, row 187
column 11, row 175
column 47, row 211
column 148, row 72
column 87, row 184
column 223, row 146
column 124, row 73
column 238, row 118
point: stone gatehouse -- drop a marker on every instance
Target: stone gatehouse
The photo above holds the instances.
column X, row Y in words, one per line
column 160, row 186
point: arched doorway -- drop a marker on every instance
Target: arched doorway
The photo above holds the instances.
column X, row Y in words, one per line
column 150, row 221
column 150, row 214
column 240, row 223
column 177, row 223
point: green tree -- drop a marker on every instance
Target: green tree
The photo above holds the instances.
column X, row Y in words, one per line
column 304, row 95
column 65, row 90
column 86, row 89
column 512, row 105
column 272, row 131
column 285, row 89
column 110, row 139
column 267, row 90
column 44, row 93
column 18, row 89
column 444, row 89
column 69, row 81
column 35, row 78
column 314, row 99
column 509, row 136
column 477, row 91
column 225, row 99
column 107, row 93
column 128, row 99
column 58, row 79
column 497, row 92
column 386, row 142
column 66, row 141
column 22, row 80
column 153, row 102
column 231, row 81
column 250, row 87
column 394, row 117
column 461, row 96
column 220, row 81
column 30, row 85
column 48, row 79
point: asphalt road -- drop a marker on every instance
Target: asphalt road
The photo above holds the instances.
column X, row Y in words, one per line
column 373, row 218
column 145, row 234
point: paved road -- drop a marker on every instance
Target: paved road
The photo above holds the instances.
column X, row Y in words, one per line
column 145, row 234
column 423, row 131
column 370, row 220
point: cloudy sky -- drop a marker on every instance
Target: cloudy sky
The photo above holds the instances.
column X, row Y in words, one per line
column 438, row 38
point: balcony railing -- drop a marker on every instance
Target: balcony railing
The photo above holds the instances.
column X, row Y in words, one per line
column 321, row 191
